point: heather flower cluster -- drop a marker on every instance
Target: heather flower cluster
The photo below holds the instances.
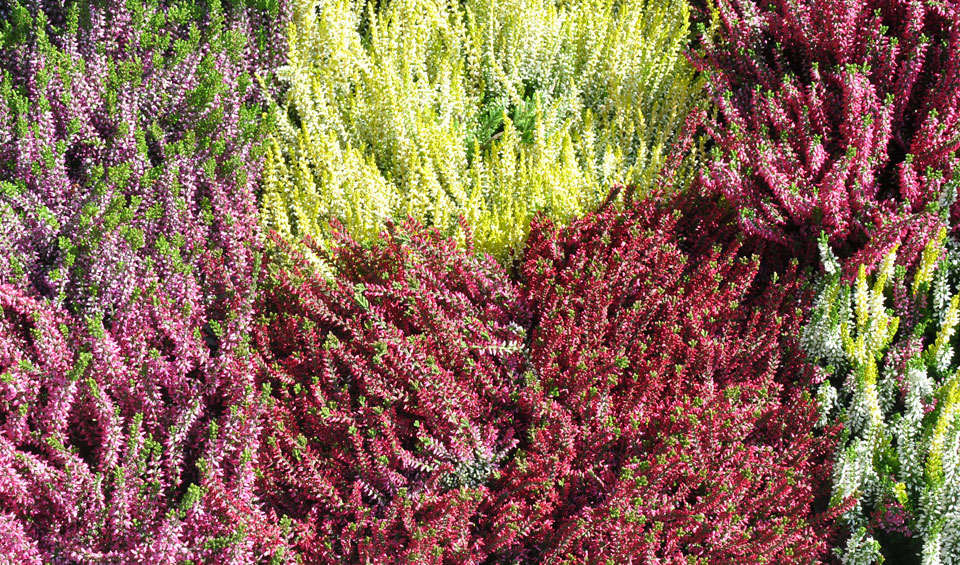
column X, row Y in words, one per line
column 391, row 395
column 511, row 281
column 489, row 110
column 669, row 417
column 625, row 398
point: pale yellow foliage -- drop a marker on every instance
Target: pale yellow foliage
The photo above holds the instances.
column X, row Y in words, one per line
column 394, row 109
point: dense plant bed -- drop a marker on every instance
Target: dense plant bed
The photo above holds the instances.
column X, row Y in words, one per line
column 346, row 282
column 640, row 393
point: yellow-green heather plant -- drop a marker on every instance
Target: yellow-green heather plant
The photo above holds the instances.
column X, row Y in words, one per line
column 487, row 109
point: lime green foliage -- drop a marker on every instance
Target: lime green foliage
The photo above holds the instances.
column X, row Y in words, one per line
column 491, row 109
column 889, row 343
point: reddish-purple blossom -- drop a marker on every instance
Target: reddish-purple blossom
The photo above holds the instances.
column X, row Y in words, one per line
column 665, row 423
column 639, row 397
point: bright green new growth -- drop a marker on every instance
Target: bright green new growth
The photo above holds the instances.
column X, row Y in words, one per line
column 895, row 389
column 491, row 109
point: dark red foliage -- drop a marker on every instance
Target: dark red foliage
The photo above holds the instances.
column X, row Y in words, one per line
column 664, row 424
column 640, row 397
column 834, row 115
column 391, row 390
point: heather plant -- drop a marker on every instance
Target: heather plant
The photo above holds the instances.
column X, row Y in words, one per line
column 491, row 111
column 664, row 422
column 128, row 230
column 833, row 116
column 885, row 345
column 389, row 393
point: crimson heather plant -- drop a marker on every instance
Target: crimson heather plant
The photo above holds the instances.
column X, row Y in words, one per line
column 128, row 226
column 633, row 399
column 391, row 390
column 665, row 425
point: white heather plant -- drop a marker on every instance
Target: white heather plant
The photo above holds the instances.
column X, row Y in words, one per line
column 488, row 109
column 887, row 344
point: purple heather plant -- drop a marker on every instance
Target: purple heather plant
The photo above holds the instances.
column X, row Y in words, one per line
column 834, row 115
column 128, row 247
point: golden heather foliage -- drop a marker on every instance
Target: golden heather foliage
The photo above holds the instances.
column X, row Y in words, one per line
column 489, row 109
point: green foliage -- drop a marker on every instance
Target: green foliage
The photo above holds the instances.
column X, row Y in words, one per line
column 490, row 110
column 887, row 345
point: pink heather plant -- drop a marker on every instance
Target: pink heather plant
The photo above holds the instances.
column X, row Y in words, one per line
column 35, row 360
column 392, row 390
column 128, row 158
column 834, row 115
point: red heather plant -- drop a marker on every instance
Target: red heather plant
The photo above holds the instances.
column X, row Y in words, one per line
column 834, row 115
column 128, row 158
column 663, row 425
column 391, row 388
